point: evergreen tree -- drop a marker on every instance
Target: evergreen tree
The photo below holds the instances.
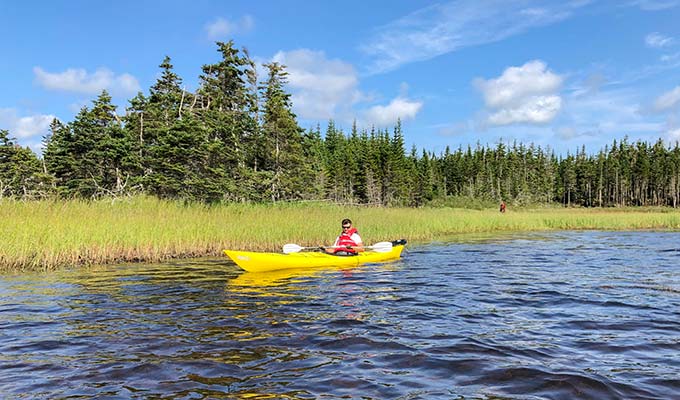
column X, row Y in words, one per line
column 177, row 163
column 59, row 155
column 335, row 151
column 359, row 164
column 21, row 173
column 93, row 156
column 166, row 95
column 313, row 153
column 282, row 139
column 373, row 168
column 226, row 112
column 396, row 172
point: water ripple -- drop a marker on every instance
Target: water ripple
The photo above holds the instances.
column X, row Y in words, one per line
column 568, row 315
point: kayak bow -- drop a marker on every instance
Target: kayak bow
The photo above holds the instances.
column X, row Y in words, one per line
column 262, row 262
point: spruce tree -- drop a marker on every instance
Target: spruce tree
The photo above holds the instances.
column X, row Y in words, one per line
column 59, row 156
column 21, row 173
column 396, row 171
column 282, row 139
column 225, row 110
column 93, row 156
column 313, row 152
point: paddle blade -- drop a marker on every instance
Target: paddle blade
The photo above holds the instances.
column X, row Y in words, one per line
column 381, row 247
column 291, row 248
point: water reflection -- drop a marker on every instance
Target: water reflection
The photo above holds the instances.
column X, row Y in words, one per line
column 565, row 315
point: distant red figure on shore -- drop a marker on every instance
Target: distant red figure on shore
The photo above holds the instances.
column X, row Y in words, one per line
column 502, row 206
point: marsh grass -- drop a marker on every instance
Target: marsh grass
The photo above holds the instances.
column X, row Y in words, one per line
column 51, row 234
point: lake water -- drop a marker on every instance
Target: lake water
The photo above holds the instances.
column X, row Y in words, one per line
column 568, row 315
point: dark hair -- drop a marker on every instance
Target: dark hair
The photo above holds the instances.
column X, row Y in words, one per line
column 346, row 221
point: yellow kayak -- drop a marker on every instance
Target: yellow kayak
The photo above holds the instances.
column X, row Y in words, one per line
column 262, row 262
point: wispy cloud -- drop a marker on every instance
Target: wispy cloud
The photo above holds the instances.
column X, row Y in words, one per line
column 571, row 132
column 657, row 40
column 606, row 113
column 668, row 100
column 670, row 58
column 654, row 5
column 78, row 80
column 526, row 94
column 451, row 26
column 222, row 28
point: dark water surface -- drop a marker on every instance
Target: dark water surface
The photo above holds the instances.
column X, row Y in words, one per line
column 591, row 315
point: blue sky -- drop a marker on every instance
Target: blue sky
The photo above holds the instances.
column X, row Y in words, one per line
column 553, row 73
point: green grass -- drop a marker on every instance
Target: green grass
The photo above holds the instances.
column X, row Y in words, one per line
column 51, row 234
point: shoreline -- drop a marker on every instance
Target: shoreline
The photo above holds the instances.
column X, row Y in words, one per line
column 48, row 235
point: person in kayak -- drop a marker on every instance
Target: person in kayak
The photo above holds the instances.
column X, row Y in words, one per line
column 349, row 242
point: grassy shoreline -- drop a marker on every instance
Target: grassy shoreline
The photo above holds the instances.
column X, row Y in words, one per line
column 47, row 235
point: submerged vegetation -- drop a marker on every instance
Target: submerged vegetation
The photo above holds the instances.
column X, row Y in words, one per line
column 50, row 234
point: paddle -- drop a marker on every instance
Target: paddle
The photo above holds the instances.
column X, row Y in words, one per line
column 380, row 247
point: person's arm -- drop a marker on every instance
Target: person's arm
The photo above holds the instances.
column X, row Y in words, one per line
column 332, row 249
column 360, row 244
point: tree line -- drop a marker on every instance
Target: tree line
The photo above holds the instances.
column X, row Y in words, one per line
column 236, row 138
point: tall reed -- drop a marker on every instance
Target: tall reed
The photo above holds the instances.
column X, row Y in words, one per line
column 51, row 234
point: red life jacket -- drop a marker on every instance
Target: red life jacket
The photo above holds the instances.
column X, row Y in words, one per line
column 345, row 239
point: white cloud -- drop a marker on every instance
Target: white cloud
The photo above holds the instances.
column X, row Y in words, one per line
column 24, row 127
column 321, row 88
column 399, row 108
column 532, row 110
column 451, row 26
column 657, row 40
column 668, row 100
column 221, row 28
column 515, row 83
column 526, row 94
column 80, row 81
column 33, row 125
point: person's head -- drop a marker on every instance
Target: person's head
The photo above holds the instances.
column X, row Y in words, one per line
column 346, row 224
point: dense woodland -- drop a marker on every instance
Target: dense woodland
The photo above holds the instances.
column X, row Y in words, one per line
column 237, row 139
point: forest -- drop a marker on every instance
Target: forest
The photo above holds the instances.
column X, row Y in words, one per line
column 236, row 139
